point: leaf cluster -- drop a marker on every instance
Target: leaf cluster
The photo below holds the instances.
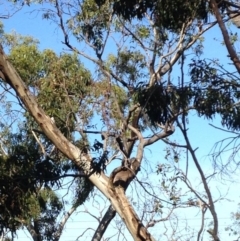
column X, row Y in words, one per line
column 45, row 207
column 27, row 175
column 209, row 92
column 215, row 93
column 27, row 179
column 155, row 102
column 63, row 89
column 83, row 188
column 167, row 14
column 128, row 65
column 60, row 83
column 163, row 102
column 23, row 171
column 90, row 23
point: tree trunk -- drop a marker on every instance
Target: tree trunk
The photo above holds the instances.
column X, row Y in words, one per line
column 116, row 195
column 129, row 216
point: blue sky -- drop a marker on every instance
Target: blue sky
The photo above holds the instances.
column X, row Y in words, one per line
column 204, row 136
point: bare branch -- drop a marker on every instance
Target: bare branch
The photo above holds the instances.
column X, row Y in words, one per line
column 210, row 204
column 61, row 225
column 39, row 142
column 160, row 135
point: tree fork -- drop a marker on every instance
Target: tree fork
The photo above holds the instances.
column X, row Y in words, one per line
column 83, row 161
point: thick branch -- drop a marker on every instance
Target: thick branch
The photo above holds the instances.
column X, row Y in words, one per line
column 82, row 160
column 129, row 216
column 58, row 233
column 12, row 78
column 9, row 74
column 109, row 215
column 32, row 229
column 159, row 136
column 231, row 51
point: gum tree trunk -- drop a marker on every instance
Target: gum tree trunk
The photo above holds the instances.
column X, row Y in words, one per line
column 116, row 195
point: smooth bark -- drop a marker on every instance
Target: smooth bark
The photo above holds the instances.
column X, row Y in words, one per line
column 116, row 195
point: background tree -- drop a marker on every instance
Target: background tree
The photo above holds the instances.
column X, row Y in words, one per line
column 31, row 167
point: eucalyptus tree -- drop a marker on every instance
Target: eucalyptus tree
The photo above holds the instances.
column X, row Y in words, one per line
column 31, row 167
column 134, row 46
